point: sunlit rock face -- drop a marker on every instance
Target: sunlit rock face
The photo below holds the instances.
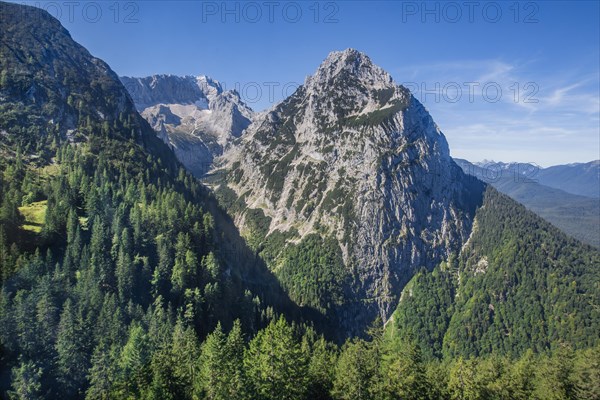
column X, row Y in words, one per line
column 194, row 115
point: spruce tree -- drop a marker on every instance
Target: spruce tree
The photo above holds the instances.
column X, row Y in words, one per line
column 72, row 362
column 275, row 363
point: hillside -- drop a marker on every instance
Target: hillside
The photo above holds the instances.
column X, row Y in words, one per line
column 103, row 235
column 517, row 284
column 580, row 178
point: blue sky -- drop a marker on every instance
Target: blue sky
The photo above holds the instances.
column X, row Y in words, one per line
column 456, row 57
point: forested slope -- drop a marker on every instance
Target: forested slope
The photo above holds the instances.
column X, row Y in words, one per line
column 519, row 283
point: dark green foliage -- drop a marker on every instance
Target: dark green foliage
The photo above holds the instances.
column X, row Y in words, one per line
column 276, row 364
column 519, row 284
column 129, row 268
column 425, row 311
column 222, row 375
column 403, row 372
column 95, row 317
column 258, row 225
column 576, row 215
column 379, row 116
column 277, row 175
column 313, row 273
column 384, row 95
column 275, row 244
column 229, row 200
column 356, row 372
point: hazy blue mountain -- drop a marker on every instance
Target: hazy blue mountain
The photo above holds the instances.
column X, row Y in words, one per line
column 580, row 178
column 576, row 215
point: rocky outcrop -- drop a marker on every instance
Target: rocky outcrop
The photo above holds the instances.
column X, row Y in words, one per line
column 194, row 115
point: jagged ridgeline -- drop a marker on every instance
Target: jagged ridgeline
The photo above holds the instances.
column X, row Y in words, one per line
column 195, row 116
column 102, row 232
column 53, row 89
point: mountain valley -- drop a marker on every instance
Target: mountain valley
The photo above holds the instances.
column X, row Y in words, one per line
column 159, row 239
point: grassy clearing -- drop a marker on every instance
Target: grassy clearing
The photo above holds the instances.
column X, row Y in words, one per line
column 49, row 171
column 34, row 214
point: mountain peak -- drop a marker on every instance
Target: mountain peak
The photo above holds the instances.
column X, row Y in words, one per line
column 208, row 85
column 352, row 67
column 349, row 55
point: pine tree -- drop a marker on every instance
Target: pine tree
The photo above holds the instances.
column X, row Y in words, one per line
column 72, row 363
column 24, row 322
column 5, row 267
column 26, row 383
column 186, row 264
column 210, row 264
column 100, row 259
column 102, row 373
column 356, row 371
column 125, row 268
column 275, row 363
column 321, row 369
column 213, row 382
column 234, row 367
column 587, row 368
column 521, row 378
column 47, row 315
column 404, row 374
column 163, row 385
column 554, row 376
column 134, row 361
column 72, row 225
column 462, row 383
column 185, row 352
column 162, row 273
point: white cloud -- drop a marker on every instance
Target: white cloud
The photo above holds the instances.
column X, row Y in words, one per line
column 561, row 125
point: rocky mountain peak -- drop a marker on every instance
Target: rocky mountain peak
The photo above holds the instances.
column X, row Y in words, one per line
column 348, row 88
column 347, row 69
column 209, row 86
column 355, row 158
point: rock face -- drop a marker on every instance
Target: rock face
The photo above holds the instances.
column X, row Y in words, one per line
column 194, row 115
column 53, row 90
column 353, row 156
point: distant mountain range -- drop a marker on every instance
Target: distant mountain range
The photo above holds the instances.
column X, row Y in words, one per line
column 557, row 193
column 577, row 178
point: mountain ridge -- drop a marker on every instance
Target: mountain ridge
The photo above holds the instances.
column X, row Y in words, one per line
column 195, row 116
column 582, row 178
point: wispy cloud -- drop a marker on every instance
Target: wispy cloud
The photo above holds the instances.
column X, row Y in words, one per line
column 539, row 117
